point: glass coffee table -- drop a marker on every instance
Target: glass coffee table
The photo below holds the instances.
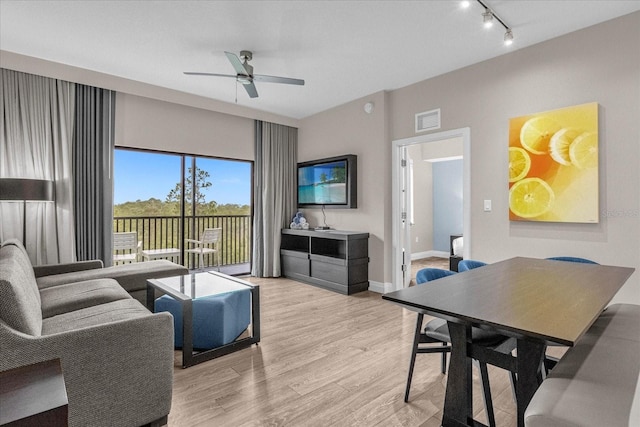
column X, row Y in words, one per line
column 202, row 288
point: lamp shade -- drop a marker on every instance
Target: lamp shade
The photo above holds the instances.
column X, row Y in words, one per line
column 23, row 189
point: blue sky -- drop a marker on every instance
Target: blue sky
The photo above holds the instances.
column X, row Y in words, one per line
column 141, row 175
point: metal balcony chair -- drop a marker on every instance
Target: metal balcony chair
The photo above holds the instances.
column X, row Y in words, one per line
column 436, row 331
column 469, row 264
column 126, row 247
column 207, row 245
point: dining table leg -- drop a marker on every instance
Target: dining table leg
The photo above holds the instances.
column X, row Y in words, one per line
column 458, row 405
column 529, row 362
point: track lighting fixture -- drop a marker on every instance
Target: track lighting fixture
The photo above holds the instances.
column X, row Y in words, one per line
column 488, row 19
column 508, row 37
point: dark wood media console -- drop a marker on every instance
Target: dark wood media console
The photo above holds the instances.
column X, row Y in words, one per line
column 331, row 259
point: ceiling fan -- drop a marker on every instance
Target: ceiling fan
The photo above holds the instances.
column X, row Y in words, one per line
column 245, row 73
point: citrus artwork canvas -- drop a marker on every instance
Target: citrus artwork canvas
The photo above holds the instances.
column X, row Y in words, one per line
column 553, row 165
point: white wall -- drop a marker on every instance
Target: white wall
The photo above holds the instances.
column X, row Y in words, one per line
column 348, row 129
column 601, row 64
column 152, row 124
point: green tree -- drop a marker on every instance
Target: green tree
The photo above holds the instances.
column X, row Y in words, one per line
column 202, row 183
column 323, row 177
column 338, row 175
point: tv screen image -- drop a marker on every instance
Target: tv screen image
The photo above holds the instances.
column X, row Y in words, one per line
column 329, row 183
column 323, row 183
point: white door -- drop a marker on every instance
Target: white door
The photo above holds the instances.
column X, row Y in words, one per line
column 406, row 216
column 401, row 200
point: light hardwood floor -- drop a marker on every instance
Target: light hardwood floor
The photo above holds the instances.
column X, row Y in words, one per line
column 325, row 359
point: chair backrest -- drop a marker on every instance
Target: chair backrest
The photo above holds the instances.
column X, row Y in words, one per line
column 468, row 264
column 572, row 259
column 210, row 235
column 429, row 274
column 125, row 241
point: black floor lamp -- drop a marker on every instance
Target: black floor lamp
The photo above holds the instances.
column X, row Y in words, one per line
column 26, row 190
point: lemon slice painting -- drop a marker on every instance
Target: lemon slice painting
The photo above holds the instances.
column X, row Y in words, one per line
column 583, row 151
column 531, row 197
column 553, row 166
column 536, row 133
column 519, row 164
column 560, row 143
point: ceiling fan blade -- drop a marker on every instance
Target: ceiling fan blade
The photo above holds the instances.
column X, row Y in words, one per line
column 196, row 73
column 237, row 64
column 251, row 89
column 276, row 79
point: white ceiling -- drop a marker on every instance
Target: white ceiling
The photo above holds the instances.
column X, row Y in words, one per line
column 343, row 49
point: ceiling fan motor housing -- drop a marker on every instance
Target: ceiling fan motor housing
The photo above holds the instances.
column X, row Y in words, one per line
column 246, row 55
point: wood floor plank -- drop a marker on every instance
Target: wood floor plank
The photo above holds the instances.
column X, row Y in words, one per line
column 325, row 359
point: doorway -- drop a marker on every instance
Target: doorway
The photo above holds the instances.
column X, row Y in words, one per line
column 403, row 203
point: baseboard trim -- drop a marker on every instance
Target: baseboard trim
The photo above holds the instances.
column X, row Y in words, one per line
column 428, row 254
column 379, row 287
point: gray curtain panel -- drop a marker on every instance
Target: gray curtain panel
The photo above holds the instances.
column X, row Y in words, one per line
column 35, row 143
column 274, row 193
column 93, row 145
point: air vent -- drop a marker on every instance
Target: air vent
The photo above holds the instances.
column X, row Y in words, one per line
column 428, row 120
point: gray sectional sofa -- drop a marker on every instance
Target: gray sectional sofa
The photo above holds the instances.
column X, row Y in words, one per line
column 116, row 356
column 132, row 277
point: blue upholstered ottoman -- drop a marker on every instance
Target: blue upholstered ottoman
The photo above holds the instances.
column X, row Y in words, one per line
column 217, row 319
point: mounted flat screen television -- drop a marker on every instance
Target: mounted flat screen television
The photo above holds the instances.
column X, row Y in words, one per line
column 329, row 183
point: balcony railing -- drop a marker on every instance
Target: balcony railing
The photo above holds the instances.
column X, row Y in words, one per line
column 160, row 232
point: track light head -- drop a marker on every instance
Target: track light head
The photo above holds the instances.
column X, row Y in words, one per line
column 487, row 18
column 508, row 37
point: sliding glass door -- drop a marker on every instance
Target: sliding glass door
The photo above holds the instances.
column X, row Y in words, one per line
column 168, row 198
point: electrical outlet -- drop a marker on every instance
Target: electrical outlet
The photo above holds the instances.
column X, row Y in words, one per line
column 417, row 238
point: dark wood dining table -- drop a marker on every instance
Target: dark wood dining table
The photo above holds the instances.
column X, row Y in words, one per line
column 534, row 301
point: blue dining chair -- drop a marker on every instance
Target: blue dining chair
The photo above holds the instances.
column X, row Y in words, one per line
column 429, row 274
column 469, row 264
column 436, row 331
column 572, row 259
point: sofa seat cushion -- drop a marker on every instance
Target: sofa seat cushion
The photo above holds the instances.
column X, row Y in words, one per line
column 112, row 312
column 76, row 296
column 132, row 277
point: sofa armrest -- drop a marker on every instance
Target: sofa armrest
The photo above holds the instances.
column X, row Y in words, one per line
column 51, row 269
column 116, row 374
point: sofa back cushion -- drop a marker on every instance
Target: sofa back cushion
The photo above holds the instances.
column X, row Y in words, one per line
column 20, row 306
